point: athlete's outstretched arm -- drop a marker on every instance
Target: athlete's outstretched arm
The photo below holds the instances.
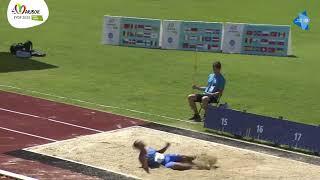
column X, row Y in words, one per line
column 143, row 160
column 164, row 148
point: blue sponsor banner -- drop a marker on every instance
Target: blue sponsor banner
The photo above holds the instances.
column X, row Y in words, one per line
column 264, row 128
column 140, row 32
column 200, row 36
column 266, row 40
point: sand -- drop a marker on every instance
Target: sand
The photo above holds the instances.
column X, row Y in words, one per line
column 113, row 151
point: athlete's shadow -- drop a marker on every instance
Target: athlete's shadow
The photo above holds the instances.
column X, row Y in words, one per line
column 9, row 63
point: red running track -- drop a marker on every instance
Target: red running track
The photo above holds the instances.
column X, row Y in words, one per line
column 27, row 121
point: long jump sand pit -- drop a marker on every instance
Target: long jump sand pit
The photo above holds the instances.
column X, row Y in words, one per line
column 113, row 151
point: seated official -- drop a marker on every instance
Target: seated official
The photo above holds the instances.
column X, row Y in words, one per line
column 211, row 93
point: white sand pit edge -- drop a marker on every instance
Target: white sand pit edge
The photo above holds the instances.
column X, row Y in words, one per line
column 113, row 151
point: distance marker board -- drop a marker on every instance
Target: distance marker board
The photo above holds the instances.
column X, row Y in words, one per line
column 277, row 131
column 192, row 35
column 130, row 31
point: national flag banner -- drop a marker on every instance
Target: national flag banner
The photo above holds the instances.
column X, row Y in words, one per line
column 192, row 46
column 148, row 43
column 272, row 42
column 248, row 48
column 207, row 39
column 194, row 29
column 209, row 31
column 132, row 41
column 255, row 48
column 126, row 41
column 255, row 40
column 147, row 27
column 126, row 26
column 249, row 33
column 200, row 39
column 187, row 29
column 271, row 50
column 154, row 35
column 140, row 33
column 134, row 31
column 212, row 31
column 187, row 35
column 282, row 34
column 274, row 34
column 200, row 46
column 266, row 39
column 260, row 39
column 216, row 39
column 140, row 42
column 265, row 33
column 248, row 40
column 257, row 33
column 264, row 49
column 193, row 38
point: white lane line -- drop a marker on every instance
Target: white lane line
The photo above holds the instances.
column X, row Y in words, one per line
column 99, row 105
column 48, row 119
column 24, row 133
column 14, row 175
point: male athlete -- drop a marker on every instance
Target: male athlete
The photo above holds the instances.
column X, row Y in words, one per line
column 151, row 158
column 211, row 93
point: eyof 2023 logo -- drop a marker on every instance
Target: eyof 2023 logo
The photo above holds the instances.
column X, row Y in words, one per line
column 25, row 13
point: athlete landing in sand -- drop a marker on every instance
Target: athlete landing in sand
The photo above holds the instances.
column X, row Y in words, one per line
column 151, row 158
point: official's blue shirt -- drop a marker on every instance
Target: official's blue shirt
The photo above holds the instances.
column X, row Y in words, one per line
column 216, row 82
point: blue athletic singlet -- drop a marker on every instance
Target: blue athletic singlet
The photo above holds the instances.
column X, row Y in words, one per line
column 155, row 158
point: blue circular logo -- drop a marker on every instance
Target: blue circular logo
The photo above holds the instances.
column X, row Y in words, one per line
column 170, row 40
column 232, row 43
column 110, row 35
